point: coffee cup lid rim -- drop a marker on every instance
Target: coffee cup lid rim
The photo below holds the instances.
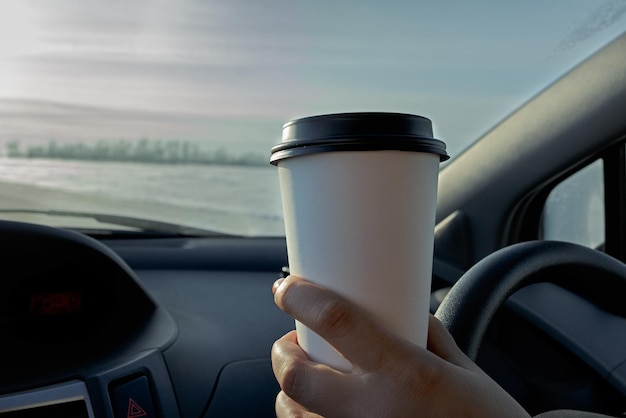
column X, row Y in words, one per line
column 359, row 131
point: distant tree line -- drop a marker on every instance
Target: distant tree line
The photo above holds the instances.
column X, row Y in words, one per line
column 143, row 150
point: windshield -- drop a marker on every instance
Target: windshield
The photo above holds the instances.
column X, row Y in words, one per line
column 166, row 110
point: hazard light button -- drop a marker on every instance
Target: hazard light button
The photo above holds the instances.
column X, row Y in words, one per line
column 133, row 399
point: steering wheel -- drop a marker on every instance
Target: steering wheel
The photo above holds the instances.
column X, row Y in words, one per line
column 472, row 302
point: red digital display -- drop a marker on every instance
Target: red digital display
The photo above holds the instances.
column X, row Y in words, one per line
column 56, row 303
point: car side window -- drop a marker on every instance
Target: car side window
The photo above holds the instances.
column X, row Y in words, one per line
column 574, row 210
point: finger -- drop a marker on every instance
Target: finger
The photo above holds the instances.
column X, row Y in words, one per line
column 441, row 343
column 283, row 351
column 315, row 386
column 288, row 408
column 277, row 284
column 345, row 326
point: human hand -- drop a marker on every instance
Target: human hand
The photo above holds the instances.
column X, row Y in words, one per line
column 391, row 377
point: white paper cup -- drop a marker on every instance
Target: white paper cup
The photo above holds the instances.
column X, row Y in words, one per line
column 359, row 192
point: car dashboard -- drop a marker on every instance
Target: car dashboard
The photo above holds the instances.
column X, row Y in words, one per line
column 183, row 327
column 161, row 327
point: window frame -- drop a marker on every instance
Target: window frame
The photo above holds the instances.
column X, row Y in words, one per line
column 527, row 217
column 615, row 201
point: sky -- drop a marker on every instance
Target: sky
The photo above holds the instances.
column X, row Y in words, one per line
column 230, row 73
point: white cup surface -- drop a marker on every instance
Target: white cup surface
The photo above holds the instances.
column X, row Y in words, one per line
column 361, row 223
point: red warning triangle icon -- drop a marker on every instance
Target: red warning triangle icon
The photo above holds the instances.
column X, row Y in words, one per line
column 134, row 410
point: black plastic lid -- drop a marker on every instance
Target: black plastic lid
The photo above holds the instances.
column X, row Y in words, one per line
column 366, row 131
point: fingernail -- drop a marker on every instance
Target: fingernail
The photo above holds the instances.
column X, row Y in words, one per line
column 277, row 284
